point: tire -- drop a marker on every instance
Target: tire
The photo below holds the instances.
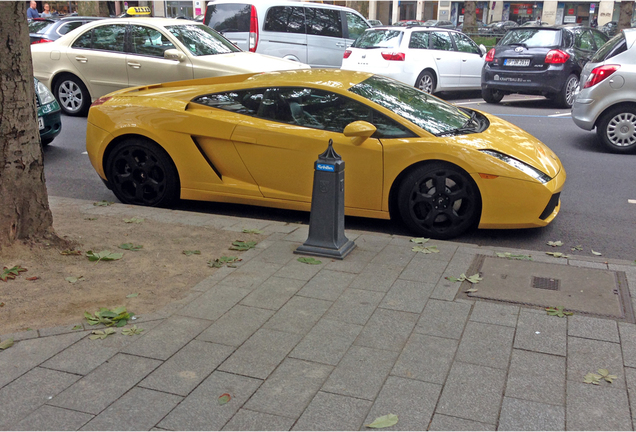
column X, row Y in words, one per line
column 426, row 82
column 72, row 95
column 565, row 98
column 439, row 214
column 492, row 96
column 617, row 129
column 46, row 142
column 140, row 172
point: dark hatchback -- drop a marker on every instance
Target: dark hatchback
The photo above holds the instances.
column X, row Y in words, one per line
column 543, row 61
column 52, row 28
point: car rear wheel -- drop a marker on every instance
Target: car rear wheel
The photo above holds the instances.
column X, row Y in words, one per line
column 617, row 129
column 426, row 82
column 439, row 200
column 565, row 98
column 140, row 172
column 72, row 95
column 492, row 96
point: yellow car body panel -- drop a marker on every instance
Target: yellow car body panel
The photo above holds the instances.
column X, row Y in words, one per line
column 230, row 157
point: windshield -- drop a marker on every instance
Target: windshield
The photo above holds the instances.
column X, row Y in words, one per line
column 426, row 111
column 201, row 40
column 39, row 26
column 531, row 37
column 615, row 45
column 379, row 39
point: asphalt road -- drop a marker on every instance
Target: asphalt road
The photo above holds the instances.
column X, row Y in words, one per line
column 595, row 211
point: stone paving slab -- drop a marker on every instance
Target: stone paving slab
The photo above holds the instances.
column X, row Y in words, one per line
column 355, row 306
column 327, row 342
column 407, row 296
column 593, row 328
column 486, row 344
column 246, row 420
column 587, row 355
column 443, row 422
column 628, row 343
column 298, row 315
column 531, row 374
column 327, row 284
column 591, row 407
column 523, row 415
column 236, row 326
column 443, row 319
column 426, row 358
column 541, row 333
column 335, row 412
column 273, row 293
column 387, row 329
column 50, row 418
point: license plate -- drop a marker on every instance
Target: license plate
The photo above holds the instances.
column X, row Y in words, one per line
column 40, row 123
column 517, row 62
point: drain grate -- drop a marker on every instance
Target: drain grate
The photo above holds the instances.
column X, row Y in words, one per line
column 545, row 283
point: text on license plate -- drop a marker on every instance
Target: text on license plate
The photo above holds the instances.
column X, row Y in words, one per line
column 40, row 123
column 517, row 62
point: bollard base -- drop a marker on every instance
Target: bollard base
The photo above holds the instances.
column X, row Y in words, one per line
column 339, row 253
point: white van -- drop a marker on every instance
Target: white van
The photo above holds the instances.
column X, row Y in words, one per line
column 312, row 33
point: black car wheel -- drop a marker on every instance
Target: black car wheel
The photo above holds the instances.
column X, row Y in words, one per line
column 617, row 129
column 439, row 200
column 492, row 96
column 72, row 95
column 565, row 98
column 140, row 172
column 426, row 82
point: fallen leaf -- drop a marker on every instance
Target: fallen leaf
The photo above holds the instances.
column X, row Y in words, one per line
column 471, row 290
column 102, row 334
column 252, row 231
column 557, row 254
column 474, row 278
column 102, row 203
column 191, row 252
column 224, row 398
column 133, row 295
column 420, row 240
column 558, row 311
column 555, row 243
column 73, row 279
column 134, row 220
column 425, row 249
column 77, row 327
column 592, row 378
column 130, row 247
column 596, row 253
column 576, row 248
column 243, row 245
column 6, row 344
column 224, row 260
column 33, row 278
column 104, row 255
column 307, row 260
column 132, row 331
column 1, row 304
column 71, row 252
column 11, row 273
column 383, row 422
column 513, row 256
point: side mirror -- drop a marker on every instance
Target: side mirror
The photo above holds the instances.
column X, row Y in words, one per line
column 359, row 129
column 482, row 48
column 174, row 54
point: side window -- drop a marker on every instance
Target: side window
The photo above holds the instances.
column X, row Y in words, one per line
column 465, row 44
column 599, row 38
column 109, row 37
column 229, row 17
column 441, row 41
column 356, row 25
column 84, row 41
column 285, row 19
column 323, row 22
column 584, row 41
column 148, row 41
column 241, row 102
column 68, row 27
column 419, row 40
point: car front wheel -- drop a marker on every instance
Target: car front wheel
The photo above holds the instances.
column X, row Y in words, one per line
column 439, row 200
column 140, row 172
column 617, row 129
column 72, row 95
column 565, row 98
column 492, row 96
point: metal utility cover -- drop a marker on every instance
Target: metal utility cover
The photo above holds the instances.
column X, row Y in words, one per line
column 591, row 291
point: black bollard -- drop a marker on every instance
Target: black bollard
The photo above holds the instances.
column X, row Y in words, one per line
column 326, row 220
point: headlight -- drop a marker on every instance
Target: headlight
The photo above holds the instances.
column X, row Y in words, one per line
column 45, row 95
column 521, row 166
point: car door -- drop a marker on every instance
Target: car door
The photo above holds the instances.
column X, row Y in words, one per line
column 145, row 61
column 472, row 61
column 448, row 60
column 584, row 46
column 292, row 127
column 325, row 40
column 99, row 58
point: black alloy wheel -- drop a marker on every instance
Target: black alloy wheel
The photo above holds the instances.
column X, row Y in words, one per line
column 140, row 172
column 565, row 98
column 492, row 96
column 439, row 200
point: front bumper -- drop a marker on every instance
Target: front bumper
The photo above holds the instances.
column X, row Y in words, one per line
column 543, row 82
column 51, row 122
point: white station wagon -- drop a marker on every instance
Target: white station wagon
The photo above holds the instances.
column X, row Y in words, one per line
column 432, row 59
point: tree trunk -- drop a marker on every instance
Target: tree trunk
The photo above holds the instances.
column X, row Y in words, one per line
column 625, row 18
column 470, row 18
column 24, row 206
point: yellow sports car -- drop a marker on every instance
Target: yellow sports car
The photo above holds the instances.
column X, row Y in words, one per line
column 254, row 138
column 112, row 54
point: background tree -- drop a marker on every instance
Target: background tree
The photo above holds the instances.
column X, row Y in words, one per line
column 470, row 17
column 625, row 18
column 24, row 204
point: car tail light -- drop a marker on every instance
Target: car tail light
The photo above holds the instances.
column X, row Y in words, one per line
column 101, row 100
column 347, row 53
column 395, row 56
column 41, row 41
column 253, row 42
column 556, row 57
column 490, row 56
column 599, row 73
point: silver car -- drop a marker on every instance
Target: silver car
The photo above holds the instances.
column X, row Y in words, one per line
column 606, row 97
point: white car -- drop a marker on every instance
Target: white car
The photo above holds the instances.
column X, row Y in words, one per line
column 108, row 55
column 432, row 59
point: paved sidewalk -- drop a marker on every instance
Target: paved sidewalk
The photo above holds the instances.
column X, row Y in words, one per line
column 328, row 347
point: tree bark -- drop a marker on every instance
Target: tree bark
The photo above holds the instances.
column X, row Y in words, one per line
column 470, row 18
column 625, row 18
column 24, row 206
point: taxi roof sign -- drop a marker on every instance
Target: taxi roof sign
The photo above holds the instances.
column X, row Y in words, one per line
column 138, row 11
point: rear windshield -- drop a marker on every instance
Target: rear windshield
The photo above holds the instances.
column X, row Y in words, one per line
column 231, row 17
column 532, row 38
column 612, row 47
column 379, row 39
column 201, row 40
column 39, row 26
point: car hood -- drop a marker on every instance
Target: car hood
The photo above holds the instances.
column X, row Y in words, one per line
column 245, row 62
column 504, row 137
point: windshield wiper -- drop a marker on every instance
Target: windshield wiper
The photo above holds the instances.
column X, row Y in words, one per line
column 466, row 128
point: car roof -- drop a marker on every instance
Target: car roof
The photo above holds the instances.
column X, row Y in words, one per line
column 630, row 36
column 161, row 22
column 413, row 27
column 266, row 3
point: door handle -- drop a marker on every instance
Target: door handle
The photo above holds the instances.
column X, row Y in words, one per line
column 464, row 60
column 340, row 44
column 81, row 59
column 134, row 65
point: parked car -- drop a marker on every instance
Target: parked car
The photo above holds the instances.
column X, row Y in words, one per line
column 499, row 27
column 112, row 54
column 480, row 26
column 539, row 60
column 375, row 23
column 609, row 28
column 606, row 99
column 254, row 140
column 431, row 59
column 439, row 23
column 312, row 33
column 48, row 112
column 50, row 29
column 535, row 23
column 410, row 23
